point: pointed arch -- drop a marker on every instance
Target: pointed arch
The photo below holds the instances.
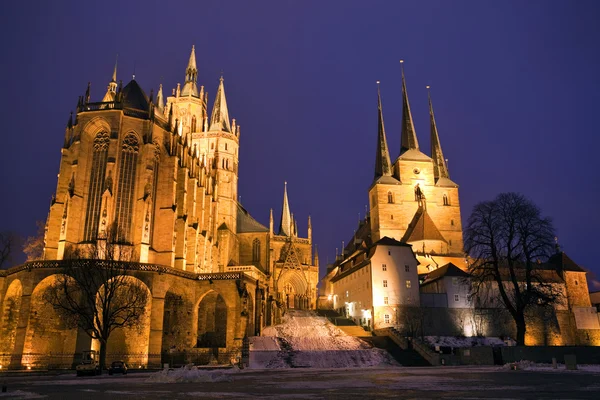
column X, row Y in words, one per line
column 97, row 185
column 126, row 186
column 212, row 321
column 256, row 251
column 11, row 308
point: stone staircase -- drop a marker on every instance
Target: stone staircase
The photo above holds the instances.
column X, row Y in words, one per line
column 345, row 324
column 405, row 357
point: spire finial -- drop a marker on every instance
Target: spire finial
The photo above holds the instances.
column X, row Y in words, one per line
column 440, row 166
column 382, row 156
column 114, row 76
column 285, row 225
column 219, row 120
column 409, row 137
column 191, row 76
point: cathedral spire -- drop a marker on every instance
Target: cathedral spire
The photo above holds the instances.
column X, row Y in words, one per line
column 191, row 76
column 440, row 169
column 286, row 218
column 409, row 137
column 220, row 115
column 382, row 158
column 111, row 89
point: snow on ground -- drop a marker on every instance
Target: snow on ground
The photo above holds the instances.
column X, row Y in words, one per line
column 304, row 330
column 453, row 341
column 307, row 340
column 190, row 373
column 21, row 394
column 540, row 367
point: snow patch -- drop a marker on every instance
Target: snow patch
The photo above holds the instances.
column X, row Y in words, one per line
column 526, row 365
column 191, row 373
column 21, row 394
column 305, row 340
column 453, row 341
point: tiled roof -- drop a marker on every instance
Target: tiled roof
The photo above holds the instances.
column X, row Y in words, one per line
column 447, row 270
column 134, row 96
column 422, row 227
column 245, row 222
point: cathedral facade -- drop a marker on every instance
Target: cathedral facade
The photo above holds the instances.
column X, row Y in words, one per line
column 159, row 174
column 405, row 265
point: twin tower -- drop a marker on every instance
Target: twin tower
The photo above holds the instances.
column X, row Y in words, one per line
column 414, row 200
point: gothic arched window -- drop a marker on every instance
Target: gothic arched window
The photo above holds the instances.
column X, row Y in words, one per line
column 446, row 201
column 255, row 250
column 390, row 197
column 126, row 187
column 193, row 123
column 155, row 166
column 96, row 188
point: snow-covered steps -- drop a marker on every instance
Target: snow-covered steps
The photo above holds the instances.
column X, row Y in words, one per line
column 306, row 340
column 354, row 330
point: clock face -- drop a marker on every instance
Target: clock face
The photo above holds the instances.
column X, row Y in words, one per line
column 416, row 171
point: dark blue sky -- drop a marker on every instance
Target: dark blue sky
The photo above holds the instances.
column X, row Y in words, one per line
column 514, row 83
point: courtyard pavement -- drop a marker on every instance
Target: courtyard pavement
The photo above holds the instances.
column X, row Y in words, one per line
column 356, row 383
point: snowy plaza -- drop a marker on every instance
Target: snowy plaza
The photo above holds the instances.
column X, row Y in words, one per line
column 307, row 357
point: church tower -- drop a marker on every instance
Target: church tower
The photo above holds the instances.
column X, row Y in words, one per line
column 414, row 200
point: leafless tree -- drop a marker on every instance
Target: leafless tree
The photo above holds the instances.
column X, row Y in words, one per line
column 95, row 291
column 411, row 319
column 7, row 241
column 508, row 241
column 34, row 245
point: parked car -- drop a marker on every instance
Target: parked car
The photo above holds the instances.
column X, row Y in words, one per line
column 89, row 364
column 117, row 367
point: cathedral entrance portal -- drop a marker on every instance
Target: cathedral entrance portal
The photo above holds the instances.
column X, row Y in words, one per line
column 293, row 290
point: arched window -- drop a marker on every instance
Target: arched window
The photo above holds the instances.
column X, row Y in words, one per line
column 255, row 250
column 155, row 167
column 446, row 201
column 193, row 123
column 212, row 146
column 390, row 197
column 96, row 188
column 126, row 188
column 225, row 146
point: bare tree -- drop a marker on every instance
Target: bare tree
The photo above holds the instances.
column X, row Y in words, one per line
column 508, row 241
column 34, row 245
column 7, row 241
column 96, row 293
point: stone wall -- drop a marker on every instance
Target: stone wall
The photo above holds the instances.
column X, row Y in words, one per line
column 30, row 330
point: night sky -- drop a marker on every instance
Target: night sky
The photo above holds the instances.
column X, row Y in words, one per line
column 515, row 89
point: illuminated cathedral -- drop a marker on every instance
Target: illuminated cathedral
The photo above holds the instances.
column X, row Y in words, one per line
column 161, row 173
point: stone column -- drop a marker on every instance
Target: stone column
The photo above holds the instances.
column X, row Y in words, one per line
column 17, row 353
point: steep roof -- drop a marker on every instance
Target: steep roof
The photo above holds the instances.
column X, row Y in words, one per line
column 388, row 241
column 422, row 227
column 447, row 270
column 562, row 262
column 245, row 222
column 134, row 96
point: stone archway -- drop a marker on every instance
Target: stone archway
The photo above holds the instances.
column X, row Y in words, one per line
column 49, row 340
column 212, row 321
column 292, row 288
column 9, row 321
column 177, row 321
column 130, row 344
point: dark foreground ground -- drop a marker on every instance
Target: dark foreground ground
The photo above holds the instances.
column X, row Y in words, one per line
column 368, row 383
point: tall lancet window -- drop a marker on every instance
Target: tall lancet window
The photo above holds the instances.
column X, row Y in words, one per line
column 96, row 188
column 155, row 165
column 255, row 250
column 126, row 188
column 193, row 123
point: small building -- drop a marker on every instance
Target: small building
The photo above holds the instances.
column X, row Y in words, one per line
column 373, row 284
column 447, row 286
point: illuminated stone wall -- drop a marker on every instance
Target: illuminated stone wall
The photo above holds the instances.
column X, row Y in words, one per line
column 33, row 334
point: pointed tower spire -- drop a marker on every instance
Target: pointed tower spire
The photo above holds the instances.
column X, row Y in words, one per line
column 160, row 100
column 383, row 166
column 220, row 115
column 111, row 89
column 191, row 76
column 440, row 169
column 409, row 137
column 286, row 218
column 316, row 263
